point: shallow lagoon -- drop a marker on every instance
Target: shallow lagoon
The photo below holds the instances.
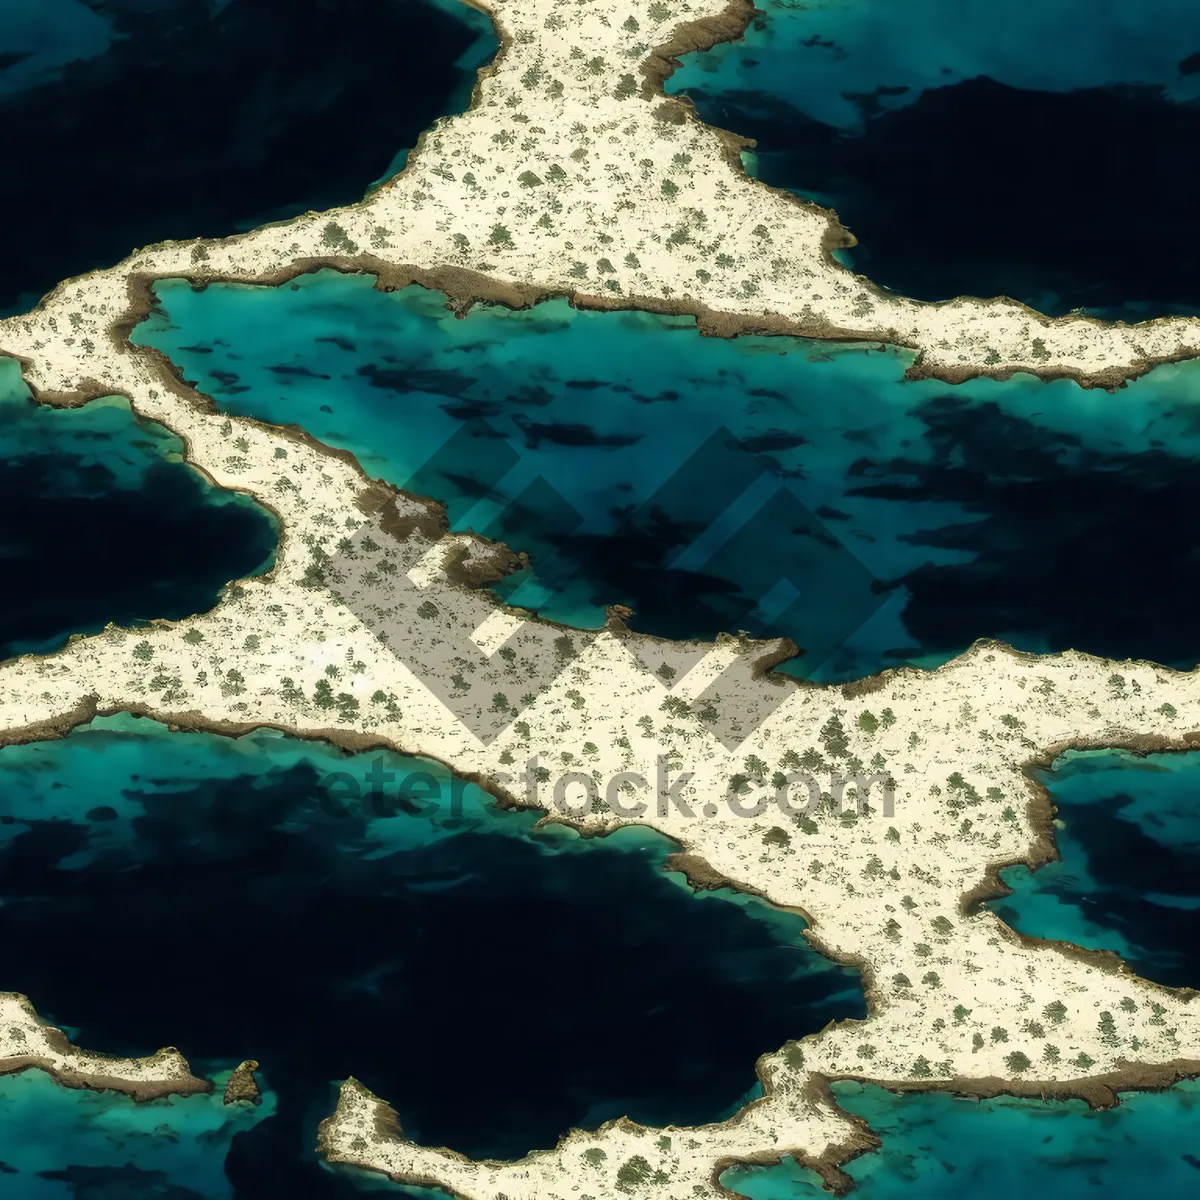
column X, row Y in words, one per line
column 767, row 484
column 937, row 1147
column 969, row 144
column 496, row 987
column 56, row 1143
column 101, row 520
column 1128, row 830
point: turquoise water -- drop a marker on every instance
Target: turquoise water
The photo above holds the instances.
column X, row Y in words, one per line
column 101, row 520
column 1129, row 880
column 825, row 56
column 898, row 116
column 937, row 1146
column 327, row 938
column 56, row 1143
column 39, row 39
column 769, row 484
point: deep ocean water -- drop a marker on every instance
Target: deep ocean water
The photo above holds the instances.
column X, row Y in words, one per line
column 496, row 987
column 1129, row 880
column 988, row 509
column 143, row 120
column 101, row 520
column 209, row 897
column 1037, row 150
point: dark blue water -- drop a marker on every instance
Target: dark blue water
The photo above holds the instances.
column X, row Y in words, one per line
column 142, row 120
column 497, row 988
column 970, row 145
column 100, row 520
column 766, row 484
column 1129, row 880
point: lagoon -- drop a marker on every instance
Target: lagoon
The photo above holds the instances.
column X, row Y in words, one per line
column 969, row 144
column 102, row 521
column 776, row 485
column 1128, row 831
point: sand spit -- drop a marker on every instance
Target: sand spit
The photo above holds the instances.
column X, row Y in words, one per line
column 26, row 1041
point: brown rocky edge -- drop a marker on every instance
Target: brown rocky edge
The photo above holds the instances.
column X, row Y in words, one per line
column 1098, row 1092
column 432, row 522
column 729, row 26
column 183, row 1083
column 1040, row 812
column 465, row 288
column 701, row 875
column 50, row 731
column 242, row 1087
column 493, row 562
column 860, row 1139
column 99, row 1081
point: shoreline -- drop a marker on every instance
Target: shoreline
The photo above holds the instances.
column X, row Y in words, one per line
column 1099, row 1092
column 163, row 1073
column 465, row 288
column 376, row 496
